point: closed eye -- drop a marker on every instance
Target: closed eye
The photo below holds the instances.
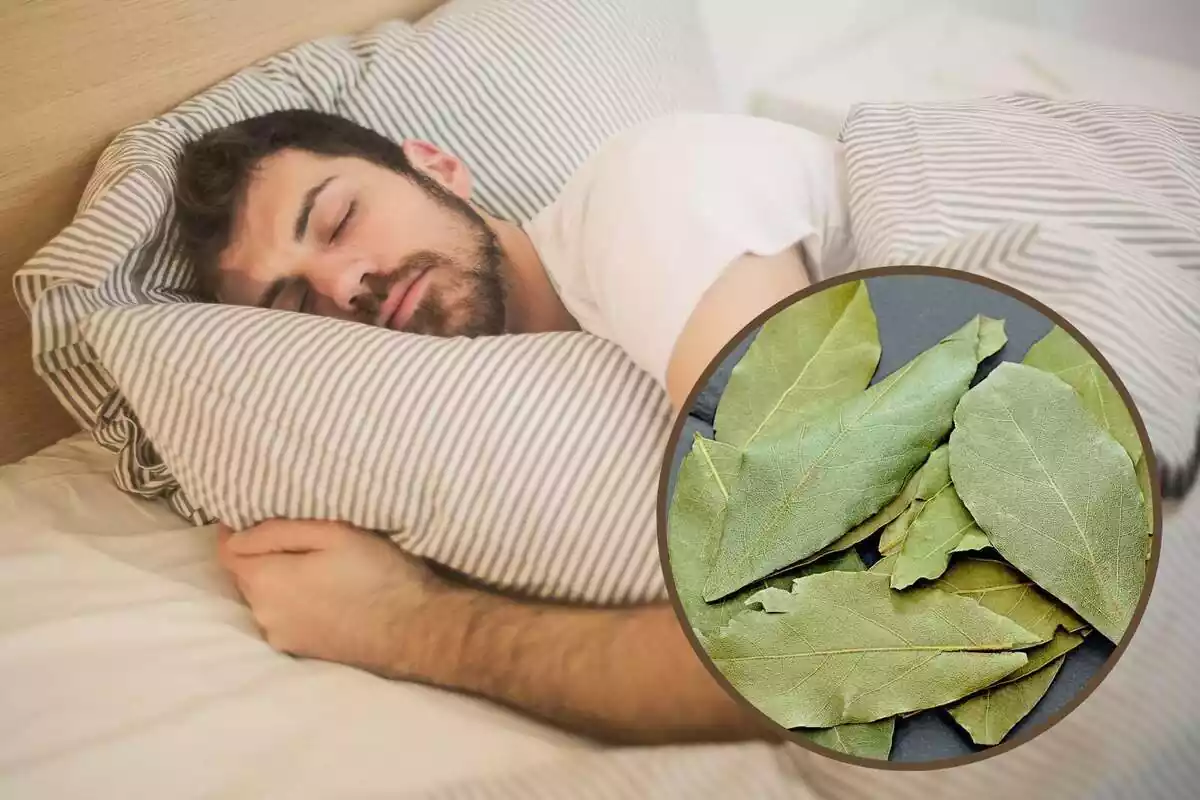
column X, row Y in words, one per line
column 341, row 226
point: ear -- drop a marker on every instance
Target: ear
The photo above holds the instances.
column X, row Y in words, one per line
column 444, row 168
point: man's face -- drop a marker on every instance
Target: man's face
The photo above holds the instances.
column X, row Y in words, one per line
column 343, row 237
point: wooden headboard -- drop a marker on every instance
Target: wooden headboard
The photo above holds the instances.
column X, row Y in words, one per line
column 73, row 73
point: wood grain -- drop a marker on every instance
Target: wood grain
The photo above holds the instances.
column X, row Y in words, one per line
column 73, row 74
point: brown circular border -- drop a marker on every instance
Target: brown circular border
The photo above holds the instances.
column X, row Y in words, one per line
column 663, row 509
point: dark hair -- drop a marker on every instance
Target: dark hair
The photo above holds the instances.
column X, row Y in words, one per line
column 213, row 173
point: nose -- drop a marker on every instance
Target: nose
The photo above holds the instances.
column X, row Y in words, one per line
column 339, row 280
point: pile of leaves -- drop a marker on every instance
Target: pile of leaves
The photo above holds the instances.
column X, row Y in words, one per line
column 1011, row 519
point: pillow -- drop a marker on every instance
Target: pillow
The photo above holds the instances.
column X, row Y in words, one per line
column 529, row 462
column 522, row 90
column 1089, row 208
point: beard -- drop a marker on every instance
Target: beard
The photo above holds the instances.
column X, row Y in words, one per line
column 464, row 295
column 461, row 303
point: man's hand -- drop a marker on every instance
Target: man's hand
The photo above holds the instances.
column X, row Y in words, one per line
column 329, row 591
column 325, row 590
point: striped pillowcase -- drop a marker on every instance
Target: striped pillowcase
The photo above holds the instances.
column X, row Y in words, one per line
column 522, row 90
column 1092, row 209
column 529, row 462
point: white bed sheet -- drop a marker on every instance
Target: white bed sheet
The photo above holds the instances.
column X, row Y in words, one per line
column 129, row 668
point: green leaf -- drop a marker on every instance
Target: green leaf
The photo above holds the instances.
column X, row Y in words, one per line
column 694, row 525
column 974, row 539
column 852, row 650
column 815, row 352
column 884, row 565
column 933, row 526
column 1056, row 494
column 990, row 715
column 825, row 473
column 1143, row 479
column 865, row 740
column 772, row 600
column 931, row 478
column 991, row 337
column 848, row 561
column 1060, row 354
column 1062, row 643
column 865, row 530
column 1000, row 588
column 776, row 599
column 697, row 510
column 934, row 534
column 935, row 529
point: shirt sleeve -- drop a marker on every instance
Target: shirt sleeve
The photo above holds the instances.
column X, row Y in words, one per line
column 673, row 204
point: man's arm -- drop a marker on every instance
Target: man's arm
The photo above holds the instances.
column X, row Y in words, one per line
column 623, row 675
column 325, row 590
column 628, row 675
column 747, row 288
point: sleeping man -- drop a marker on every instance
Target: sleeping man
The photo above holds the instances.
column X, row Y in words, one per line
column 673, row 237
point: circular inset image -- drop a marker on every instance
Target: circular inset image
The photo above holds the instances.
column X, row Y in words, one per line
column 910, row 517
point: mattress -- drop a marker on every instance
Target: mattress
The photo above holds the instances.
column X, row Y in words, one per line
column 130, row 668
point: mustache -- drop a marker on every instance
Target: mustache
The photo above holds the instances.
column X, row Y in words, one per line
column 377, row 285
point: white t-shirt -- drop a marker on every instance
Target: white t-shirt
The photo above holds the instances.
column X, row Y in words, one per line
column 651, row 221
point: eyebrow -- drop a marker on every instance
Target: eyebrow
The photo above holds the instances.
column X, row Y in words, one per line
column 310, row 199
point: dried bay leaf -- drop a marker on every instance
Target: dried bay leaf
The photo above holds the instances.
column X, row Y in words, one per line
column 865, row 740
column 988, row 716
column 1000, row 588
column 851, row 650
column 694, row 525
column 932, row 477
column 935, row 533
column 1143, row 479
column 932, row 528
column 847, row 561
column 865, row 530
column 817, row 351
column 775, row 599
column 883, row 566
column 822, row 349
column 772, row 600
column 1060, row 354
column 974, row 539
column 1055, row 493
column 694, row 520
column 1062, row 643
column 803, row 488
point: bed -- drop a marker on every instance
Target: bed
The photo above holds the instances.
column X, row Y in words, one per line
column 129, row 666
column 130, row 662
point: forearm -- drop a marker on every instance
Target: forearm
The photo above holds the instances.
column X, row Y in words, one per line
column 626, row 675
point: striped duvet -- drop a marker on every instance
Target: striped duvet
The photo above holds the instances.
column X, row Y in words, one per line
column 1092, row 209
